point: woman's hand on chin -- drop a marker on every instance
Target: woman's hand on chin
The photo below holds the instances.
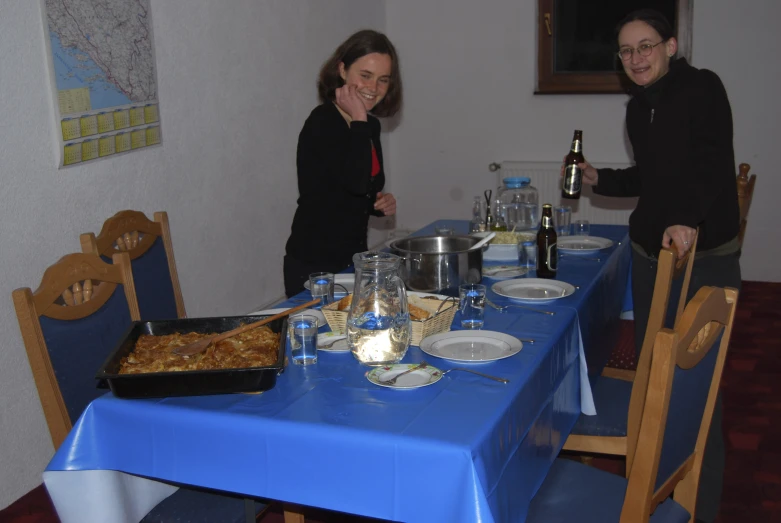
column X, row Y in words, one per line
column 349, row 101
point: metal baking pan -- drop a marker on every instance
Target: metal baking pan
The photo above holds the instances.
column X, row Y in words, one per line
column 190, row 383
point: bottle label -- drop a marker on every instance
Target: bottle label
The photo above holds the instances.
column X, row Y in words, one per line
column 553, row 258
column 573, row 176
column 576, row 146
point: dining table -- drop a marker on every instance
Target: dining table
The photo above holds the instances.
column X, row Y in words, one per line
column 460, row 449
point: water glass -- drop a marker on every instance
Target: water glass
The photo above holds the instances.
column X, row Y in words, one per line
column 444, row 230
column 562, row 217
column 527, row 255
column 472, row 305
column 302, row 332
column 321, row 285
column 581, row 228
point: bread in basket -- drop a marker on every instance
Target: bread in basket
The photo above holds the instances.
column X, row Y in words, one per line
column 422, row 308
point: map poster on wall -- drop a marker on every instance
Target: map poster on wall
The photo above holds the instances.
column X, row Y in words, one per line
column 102, row 69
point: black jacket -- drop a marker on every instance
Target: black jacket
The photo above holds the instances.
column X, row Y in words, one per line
column 335, row 186
column 684, row 173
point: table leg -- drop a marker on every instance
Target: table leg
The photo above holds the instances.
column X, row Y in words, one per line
column 293, row 514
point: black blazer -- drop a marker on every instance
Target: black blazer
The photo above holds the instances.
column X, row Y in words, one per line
column 335, row 186
column 684, row 173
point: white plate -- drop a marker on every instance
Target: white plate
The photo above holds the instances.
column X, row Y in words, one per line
column 312, row 312
column 582, row 244
column 533, row 289
column 417, row 378
column 471, row 346
column 346, row 280
column 504, row 272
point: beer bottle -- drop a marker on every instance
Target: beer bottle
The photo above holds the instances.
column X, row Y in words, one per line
column 547, row 253
column 573, row 175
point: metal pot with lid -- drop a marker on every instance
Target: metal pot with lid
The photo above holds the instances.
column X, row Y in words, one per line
column 439, row 264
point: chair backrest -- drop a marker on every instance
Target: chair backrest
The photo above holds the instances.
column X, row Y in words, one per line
column 685, row 374
column 669, row 268
column 70, row 324
column 745, row 195
column 152, row 257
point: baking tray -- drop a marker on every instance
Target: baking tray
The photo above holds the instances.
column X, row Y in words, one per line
column 190, row 383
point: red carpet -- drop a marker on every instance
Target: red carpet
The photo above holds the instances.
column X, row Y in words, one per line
column 751, row 392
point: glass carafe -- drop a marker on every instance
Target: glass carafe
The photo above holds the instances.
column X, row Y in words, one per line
column 378, row 324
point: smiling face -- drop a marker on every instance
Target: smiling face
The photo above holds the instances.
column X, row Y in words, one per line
column 371, row 74
column 645, row 70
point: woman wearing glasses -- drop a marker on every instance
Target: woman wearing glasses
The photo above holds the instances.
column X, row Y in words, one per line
column 679, row 122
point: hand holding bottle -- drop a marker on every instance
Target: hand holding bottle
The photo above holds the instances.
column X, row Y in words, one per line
column 590, row 174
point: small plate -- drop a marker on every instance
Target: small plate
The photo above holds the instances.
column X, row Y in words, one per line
column 582, row 244
column 417, row 378
column 471, row 346
column 312, row 312
column 533, row 289
column 328, row 338
column 345, row 280
column 504, row 272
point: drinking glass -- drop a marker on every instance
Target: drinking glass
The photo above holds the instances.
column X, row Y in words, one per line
column 472, row 305
column 562, row 217
column 527, row 255
column 581, row 228
column 321, row 285
column 302, row 331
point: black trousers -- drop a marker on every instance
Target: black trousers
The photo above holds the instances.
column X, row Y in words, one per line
column 716, row 271
column 296, row 272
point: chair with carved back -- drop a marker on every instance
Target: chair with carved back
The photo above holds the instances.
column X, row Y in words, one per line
column 619, row 395
column 745, row 195
column 151, row 252
column 70, row 324
column 684, row 379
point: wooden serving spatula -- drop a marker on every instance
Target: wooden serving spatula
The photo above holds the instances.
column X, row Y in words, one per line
column 203, row 344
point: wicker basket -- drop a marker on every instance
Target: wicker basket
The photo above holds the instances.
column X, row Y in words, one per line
column 337, row 319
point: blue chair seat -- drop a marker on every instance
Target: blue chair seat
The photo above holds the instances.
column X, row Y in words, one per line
column 611, row 398
column 198, row 506
column 576, row 492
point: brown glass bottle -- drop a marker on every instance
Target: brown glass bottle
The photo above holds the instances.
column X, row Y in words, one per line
column 573, row 175
column 547, row 253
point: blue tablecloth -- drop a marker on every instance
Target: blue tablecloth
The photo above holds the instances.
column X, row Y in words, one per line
column 463, row 449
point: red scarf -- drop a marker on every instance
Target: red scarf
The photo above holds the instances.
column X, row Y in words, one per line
column 375, row 162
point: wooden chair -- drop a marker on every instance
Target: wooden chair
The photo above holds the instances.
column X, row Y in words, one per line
column 70, row 324
column 684, row 379
column 152, row 258
column 619, row 394
column 745, row 195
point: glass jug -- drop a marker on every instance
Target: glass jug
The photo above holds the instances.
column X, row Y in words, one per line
column 378, row 324
column 519, row 204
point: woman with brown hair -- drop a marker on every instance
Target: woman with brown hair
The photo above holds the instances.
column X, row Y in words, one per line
column 339, row 158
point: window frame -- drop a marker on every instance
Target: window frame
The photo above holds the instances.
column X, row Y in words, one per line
column 613, row 82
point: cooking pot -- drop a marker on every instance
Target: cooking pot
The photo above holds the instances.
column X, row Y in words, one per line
column 438, row 264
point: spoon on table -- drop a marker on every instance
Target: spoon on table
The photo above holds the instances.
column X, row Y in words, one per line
column 202, row 344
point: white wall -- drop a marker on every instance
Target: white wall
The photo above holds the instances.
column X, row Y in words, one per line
column 469, row 72
column 236, row 82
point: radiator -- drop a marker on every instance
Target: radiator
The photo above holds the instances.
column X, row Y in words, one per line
column 546, row 177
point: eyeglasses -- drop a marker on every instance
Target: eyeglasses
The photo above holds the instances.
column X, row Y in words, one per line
column 625, row 53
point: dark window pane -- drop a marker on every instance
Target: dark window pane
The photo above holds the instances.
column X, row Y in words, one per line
column 584, row 32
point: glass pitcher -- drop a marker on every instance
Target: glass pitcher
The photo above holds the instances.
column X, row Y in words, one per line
column 378, row 324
